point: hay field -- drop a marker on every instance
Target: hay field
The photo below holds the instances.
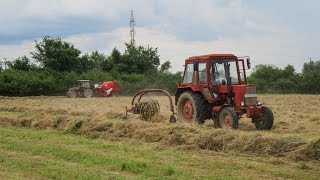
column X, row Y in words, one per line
column 293, row 143
column 296, row 127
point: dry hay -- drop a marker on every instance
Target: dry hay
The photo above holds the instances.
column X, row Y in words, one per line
column 176, row 135
column 309, row 151
column 106, row 122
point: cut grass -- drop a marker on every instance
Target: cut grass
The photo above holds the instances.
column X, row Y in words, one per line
column 41, row 154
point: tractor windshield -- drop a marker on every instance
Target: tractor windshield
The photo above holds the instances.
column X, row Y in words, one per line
column 221, row 69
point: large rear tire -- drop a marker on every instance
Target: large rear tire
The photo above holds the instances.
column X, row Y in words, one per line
column 191, row 107
column 87, row 93
column 266, row 121
column 227, row 119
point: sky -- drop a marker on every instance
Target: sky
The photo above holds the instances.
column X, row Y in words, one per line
column 270, row 32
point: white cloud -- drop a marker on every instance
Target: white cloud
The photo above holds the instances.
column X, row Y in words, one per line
column 14, row 51
column 268, row 32
column 262, row 49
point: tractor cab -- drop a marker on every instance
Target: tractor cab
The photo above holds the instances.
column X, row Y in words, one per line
column 214, row 75
column 84, row 83
column 215, row 84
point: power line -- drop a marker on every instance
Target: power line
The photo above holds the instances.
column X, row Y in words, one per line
column 132, row 31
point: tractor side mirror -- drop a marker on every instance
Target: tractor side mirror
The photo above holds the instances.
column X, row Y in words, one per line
column 248, row 63
column 196, row 66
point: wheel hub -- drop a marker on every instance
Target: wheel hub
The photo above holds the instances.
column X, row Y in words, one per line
column 187, row 111
column 227, row 120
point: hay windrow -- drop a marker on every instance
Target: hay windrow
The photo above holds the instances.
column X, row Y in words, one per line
column 309, row 151
column 96, row 122
column 175, row 135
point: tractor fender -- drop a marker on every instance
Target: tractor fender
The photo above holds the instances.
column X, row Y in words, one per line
column 216, row 109
column 179, row 91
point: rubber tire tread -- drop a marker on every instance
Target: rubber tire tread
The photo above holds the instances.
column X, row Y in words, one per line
column 234, row 115
column 199, row 105
column 202, row 110
column 89, row 95
column 269, row 114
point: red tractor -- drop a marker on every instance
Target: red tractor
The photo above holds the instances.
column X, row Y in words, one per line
column 108, row 88
column 215, row 86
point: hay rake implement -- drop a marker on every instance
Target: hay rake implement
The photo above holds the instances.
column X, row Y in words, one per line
column 149, row 108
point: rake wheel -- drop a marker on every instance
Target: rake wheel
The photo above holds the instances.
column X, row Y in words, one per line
column 149, row 108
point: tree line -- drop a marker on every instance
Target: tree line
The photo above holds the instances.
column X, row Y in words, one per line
column 271, row 79
column 56, row 64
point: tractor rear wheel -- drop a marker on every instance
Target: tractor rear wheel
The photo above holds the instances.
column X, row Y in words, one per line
column 191, row 107
column 266, row 121
column 227, row 119
column 87, row 93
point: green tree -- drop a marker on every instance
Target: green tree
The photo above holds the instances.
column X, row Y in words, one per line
column 114, row 62
column 139, row 59
column 165, row 66
column 97, row 60
column 21, row 63
column 264, row 76
column 310, row 77
column 272, row 79
column 135, row 60
column 94, row 61
column 53, row 53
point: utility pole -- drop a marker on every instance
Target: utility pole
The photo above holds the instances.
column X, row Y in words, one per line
column 132, row 31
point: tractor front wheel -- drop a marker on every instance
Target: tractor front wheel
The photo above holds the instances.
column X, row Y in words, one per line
column 87, row 93
column 189, row 108
column 71, row 94
column 265, row 122
column 227, row 119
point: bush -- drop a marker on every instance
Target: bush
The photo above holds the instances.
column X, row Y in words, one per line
column 50, row 82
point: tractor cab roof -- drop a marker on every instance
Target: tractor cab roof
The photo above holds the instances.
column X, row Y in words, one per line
column 212, row 56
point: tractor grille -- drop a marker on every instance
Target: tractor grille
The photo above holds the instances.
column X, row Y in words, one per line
column 250, row 98
column 251, row 90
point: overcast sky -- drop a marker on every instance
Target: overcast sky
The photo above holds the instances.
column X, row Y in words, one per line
column 270, row 32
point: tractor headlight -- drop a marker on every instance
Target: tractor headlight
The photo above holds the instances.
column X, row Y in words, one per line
column 259, row 103
column 242, row 103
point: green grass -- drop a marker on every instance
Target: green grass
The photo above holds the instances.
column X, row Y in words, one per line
column 11, row 114
column 46, row 154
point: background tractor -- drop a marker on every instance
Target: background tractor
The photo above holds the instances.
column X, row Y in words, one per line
column 82, row 89
column 215, row 87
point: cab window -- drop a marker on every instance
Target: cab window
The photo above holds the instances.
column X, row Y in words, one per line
column 188, row 74
column 202, row 73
